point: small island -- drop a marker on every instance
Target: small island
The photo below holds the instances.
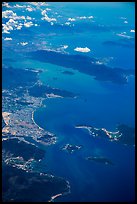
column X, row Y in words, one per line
column 71, row 148
column 100, row 159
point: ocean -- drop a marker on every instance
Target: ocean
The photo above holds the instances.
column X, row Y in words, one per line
column 98, row 103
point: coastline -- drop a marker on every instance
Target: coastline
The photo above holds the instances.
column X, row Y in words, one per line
column 68, row 184
column 32, row 117
column 61, row 194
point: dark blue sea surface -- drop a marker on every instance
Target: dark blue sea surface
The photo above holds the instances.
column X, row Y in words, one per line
column 86, row 177
column 100, row 102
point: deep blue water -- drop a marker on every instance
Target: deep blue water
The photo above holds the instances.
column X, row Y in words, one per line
column 99, row 103
column 59, row 118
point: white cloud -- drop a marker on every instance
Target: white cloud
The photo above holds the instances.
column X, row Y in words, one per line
column 67, row 23
column 90, row 17
column 7, row 39
column 123, row 18
column 14, row 24
column 11, row 22
column 85, row 17
column 71, row 19
column 132, row 31
column 80, row 49
column 10, row 25
column 46, row 18
column 42, row 4
column 82, row 17
column 6, row 28
column 12, row 15
column 125, row 21
column 65, row 46
column 19, row 27
column 124, row 36
column 48, row 9
column 34, row 3
column 5, row 31
column 62, row 48
column 30, row 9
column 28, row 24
column 38, row 3
column 23, row 43
column 8, row 14
column 44, row 12
column 6, row 5
column 19, row 6
column 20, row 17
column 98, row 62
column 28, row 18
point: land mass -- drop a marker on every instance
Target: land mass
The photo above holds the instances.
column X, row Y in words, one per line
column 83, row 64
column 71, row 148
column 99, row 159
column 124, row 133
column 21, row 185
column 21, row 137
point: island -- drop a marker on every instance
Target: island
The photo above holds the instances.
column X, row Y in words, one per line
column 123, row 134
column 84, row 64
column 125, row 42
column 71, row 148
column 99, row 159
column 40, row 90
